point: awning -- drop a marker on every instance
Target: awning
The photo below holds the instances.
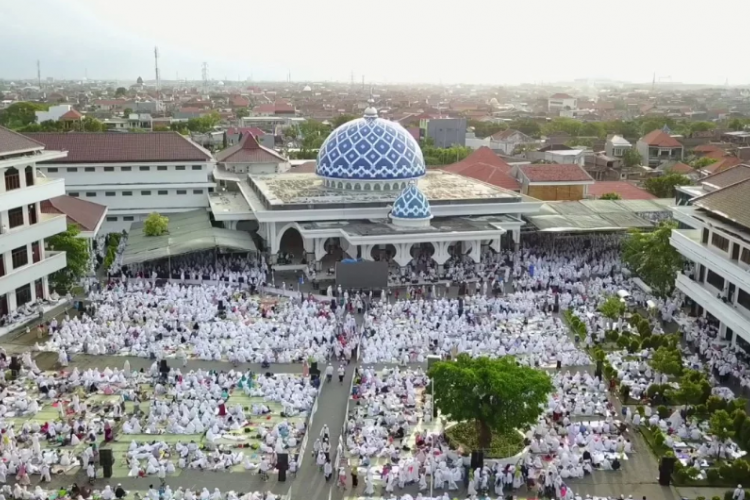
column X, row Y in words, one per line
column 187, row 232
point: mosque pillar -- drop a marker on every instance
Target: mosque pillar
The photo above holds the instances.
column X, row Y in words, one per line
column 349, row 249
column 441, row 254
column 367, row 252
column 495, row 243
column 11, row 296
column 516, row 239
column 476, row 250
column 403, row 254
column 45, row 287
column 319, row 251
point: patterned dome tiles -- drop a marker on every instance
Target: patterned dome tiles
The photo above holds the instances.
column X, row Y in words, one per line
column 411, row 204
column 370, row 149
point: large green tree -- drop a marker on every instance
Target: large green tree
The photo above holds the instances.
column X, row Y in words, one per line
column 650, row 256
column 486, row 129
column 667, row 359
column 497, row 395
column 444, row 156
column 155, row 225
column 663, row 186
column 613, row 308
column 205, row 123
column 20, row 114
column 631, row 158
column 341, row 119
column 76, row 255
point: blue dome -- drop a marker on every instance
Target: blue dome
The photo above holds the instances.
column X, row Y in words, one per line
column 411, row 204
column 370, row 148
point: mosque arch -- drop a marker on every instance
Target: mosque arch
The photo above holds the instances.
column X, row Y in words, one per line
column 376, row 187
column 368, row 186
column 341, row 185
column 289, row 240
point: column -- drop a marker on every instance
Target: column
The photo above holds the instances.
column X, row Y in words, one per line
column 516, row 239
column 441, row 255
column 476, row 250
column 367, row 252
column 45, row 287
column 319, row 251
column 403, row 254
column 495, row 243
column 11, row 295
column 734, row 338
column 32, row 288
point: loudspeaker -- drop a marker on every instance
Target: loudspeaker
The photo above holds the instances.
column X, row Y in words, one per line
column 221, row 305
column 163, row 366
column 314, row 366
column 106, row 459
column 282, row 475
column 477, row 460
column 14, row 363
column 107, row 470
column 282, row 461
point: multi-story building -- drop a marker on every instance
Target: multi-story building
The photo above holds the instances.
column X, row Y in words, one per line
column 133, row 175
column 24, row 262
column 714, row 236
column 616, row 146
column 444, row 132
column 658, row 146
column 559, row 102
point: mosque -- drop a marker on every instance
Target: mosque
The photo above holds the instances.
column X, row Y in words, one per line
column 370, row 197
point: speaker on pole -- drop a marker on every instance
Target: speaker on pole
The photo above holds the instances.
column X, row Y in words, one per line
column 666, row 468
column 282, row 464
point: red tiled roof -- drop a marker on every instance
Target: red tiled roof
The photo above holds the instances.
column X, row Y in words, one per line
column 72, row 115
column 248, row 151
column 254, row 131
column 84, row 214
column 681, row 168
column 729, row 176
column 239, row 101
column 305, row 168
column 569, row 172
column 103, row 147
column 716, row 153
column 626, row 190
column 110, row 102
column 265, row 108
column 660, row 138
column 11, row 142
column 484, row 165
column 722, row 165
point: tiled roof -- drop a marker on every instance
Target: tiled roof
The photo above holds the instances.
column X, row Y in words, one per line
column 707, row 148
column 566, row 172
column 661, row 139
column 10, row 142
column 722, row 165
column 626, row 190
column 115, row 147
column 72, row 115
column 729, row 202
column 505, row 134
column 254, row 131
column 560, row 96
column 728, row 177
column 484, row 165
column 84, row 214
column 305, row 168
column 248, row 151
column 677, row 167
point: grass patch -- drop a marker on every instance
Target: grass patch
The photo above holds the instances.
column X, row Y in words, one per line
column 464, row 435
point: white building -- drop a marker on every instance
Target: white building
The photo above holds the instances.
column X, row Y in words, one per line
column 133, row 175
column 369, row 197
column 506, row 141
column 25, row 264
column 54, row 113
column 559, row 102
column 716, row 240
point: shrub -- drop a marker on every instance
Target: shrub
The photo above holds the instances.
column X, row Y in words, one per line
column 715, row 403
column 663, row 411
column 713, row 476
column 716, row 497
column 155, row 225
column 735, row 472
column 738, row 419
column 700, row 498
column 659, row 438
column 634, row 346
column 685, row 474
column 623, row 342
column 641, row 410
column 625, row 393
column 612, row 335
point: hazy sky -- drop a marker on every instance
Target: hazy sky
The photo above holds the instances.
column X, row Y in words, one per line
column 481, row 41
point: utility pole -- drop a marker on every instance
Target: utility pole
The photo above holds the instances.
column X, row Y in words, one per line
column 156, row 69
column 204, row 75
column 39, row 74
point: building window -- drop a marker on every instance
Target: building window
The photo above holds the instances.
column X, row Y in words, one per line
column 128, row 218
column 12, row 181
column 23, row 295
column 91, row 194
column 197, row 167
column 181, row 191
column 32, row 213
column 39, row 287
column 110, row 193
column 211, row 190
column 715, row 280
column 20, row 257
column 720, row 242
column 2, row 267
column 127, row 193
column 145, row 168
column 89, row 169
column 52, row 170
column 71, row 169
column 163, row 193
column 197, row 191
column 126, row 169
column 15, row 217
column 111, row 218
column 29, row 176
column 36, row 254
column 74, row 194
column 180, row 167
column 161, row 167
column 146, row 193
column 109, row 169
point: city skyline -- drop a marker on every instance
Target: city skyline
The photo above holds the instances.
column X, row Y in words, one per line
column 536, row 42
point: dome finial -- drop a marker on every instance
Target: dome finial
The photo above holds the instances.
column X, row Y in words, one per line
column 371, row 112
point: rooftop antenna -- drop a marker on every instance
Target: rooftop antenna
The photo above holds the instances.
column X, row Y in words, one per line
column 653, row 82
column 156, row 69
column 351, row 79
column 363, row 82
column 39, row 74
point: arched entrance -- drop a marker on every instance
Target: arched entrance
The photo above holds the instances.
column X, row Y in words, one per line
column 334, row 252
column 291, row 247
column 422, row 260
column 383, row 252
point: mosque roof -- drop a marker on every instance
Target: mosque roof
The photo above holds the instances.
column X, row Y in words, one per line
column 411, row 204
column 370, row 148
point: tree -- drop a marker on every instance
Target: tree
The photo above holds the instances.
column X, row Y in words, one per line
column 121, row 91
column 155, row 225
column 631, row 158
column 663, row 186
column 651, row 257
column 304, row 154
column 76, row 255
column 667, row 360
column 242, row 112
column 699, row 163
column 497, row 395
column 127, row 112
column 89, row 124
column 736, row 124
column 527, row 126
column 610, row 196
column 161, row 128
column 486, row 129
column 444, row 156
column 694, row 388
column 721, row 425
column 613, row 308
column 341, row 119
column 203, row 124
column 20, row 114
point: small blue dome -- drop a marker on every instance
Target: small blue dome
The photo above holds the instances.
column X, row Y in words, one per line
column 370, row 148
column 411, row 204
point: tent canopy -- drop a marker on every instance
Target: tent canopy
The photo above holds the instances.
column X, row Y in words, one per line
column 187, row 232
